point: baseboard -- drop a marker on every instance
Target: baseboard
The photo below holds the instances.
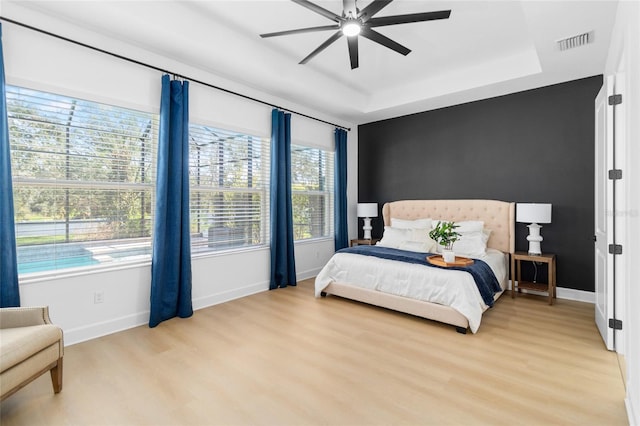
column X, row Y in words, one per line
column 566, row 293
column 311, row 273
column 633, row 410
column 93, row 331
column 226, row 296
column 573, row 294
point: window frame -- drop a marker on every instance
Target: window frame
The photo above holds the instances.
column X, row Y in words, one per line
column 261, row 178
column 80, row 134
column 150, row 186
column 328, row 192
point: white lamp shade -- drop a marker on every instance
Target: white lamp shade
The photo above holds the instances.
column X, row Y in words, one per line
column 533, row 213
column 367, row 209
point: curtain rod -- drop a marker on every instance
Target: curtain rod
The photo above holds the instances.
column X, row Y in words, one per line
column 153, row 67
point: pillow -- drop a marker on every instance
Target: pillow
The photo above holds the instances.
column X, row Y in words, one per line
column 411, row 224
column 412, row 239
column 472, row 243
column 467, row 226
column 393, row 237
column 421, row 235
column 419, row 246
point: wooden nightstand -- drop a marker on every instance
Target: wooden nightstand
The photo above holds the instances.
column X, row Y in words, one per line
column 362, row 242
column 516, row 272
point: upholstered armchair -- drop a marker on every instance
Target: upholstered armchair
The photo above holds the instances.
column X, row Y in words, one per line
column 29, row 347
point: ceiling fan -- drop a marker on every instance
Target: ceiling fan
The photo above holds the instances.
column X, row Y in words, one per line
column 354, row 22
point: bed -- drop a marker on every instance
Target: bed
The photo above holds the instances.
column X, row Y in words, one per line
column 438, row 294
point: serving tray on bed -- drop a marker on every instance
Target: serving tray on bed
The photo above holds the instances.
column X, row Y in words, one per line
column 437, row 259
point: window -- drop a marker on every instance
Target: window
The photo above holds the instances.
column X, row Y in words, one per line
column 229, row 191
column 83, row 180
column 84, row 184
column 312, row 192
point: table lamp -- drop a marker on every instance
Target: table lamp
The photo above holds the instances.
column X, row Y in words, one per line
column 533, row 213
column 367, row 211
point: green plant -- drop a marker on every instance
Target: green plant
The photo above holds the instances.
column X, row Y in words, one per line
column 445, row 234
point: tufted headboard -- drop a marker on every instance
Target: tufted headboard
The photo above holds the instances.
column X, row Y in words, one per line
column 498, row 216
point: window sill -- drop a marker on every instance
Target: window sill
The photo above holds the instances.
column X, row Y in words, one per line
column 59, row 274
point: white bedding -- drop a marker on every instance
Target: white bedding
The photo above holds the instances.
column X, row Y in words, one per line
column 453, row 288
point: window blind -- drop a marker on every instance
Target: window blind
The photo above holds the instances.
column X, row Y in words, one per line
column 83, row 179
column 229, row 189
column 312, row 182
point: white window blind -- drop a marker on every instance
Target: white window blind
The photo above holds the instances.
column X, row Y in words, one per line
column 83, row 180
column 229, row 189
column 312, row 179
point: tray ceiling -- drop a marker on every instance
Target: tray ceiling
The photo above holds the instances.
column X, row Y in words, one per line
column 485, row 49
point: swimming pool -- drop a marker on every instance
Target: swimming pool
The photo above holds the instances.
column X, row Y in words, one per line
column 53, row 264
column 52, row 257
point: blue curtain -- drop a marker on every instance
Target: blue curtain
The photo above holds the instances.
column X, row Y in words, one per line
column 171, row 258
column 283, row 263
column 9, row 291
column 340, row 213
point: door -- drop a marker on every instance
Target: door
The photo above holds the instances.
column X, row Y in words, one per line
column 603, row 206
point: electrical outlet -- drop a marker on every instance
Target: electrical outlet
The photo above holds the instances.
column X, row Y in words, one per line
column 98, row 297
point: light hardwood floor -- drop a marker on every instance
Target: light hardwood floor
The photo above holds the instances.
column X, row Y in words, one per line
column 286, row 358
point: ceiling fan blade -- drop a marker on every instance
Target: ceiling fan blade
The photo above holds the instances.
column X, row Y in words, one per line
column 406, row 19
column 352, row 42
column 323, row 46
column 301, row 30
column 317, row 9
column 372, row 8
column 383, row 40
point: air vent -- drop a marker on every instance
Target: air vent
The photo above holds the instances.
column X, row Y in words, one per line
column 575, row 41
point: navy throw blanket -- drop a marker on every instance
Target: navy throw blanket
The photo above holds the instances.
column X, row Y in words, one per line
column 479, row 270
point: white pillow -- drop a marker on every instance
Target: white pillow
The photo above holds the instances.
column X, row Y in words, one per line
column 472, row 243
column 393, row 237
column 421, row 235
column 419, row 246
column 411, row 224
column 467, row 226
column 412, row 239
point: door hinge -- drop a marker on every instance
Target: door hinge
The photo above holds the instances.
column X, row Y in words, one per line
column 616, row 324
column 615, row 174
column 615, row 99
column 595, row 238
column 615, row 249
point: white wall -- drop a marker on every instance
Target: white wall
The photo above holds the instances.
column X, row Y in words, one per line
column 624, row 56
column 41, row 62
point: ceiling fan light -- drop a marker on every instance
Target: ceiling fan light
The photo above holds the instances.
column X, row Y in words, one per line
column 351, row 28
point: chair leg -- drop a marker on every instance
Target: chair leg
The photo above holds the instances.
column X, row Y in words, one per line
column 56, row 376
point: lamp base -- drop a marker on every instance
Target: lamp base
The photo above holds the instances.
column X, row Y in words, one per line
column 367, row 228
column 534, row 239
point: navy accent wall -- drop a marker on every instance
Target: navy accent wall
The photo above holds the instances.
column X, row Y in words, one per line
column 532, row 146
